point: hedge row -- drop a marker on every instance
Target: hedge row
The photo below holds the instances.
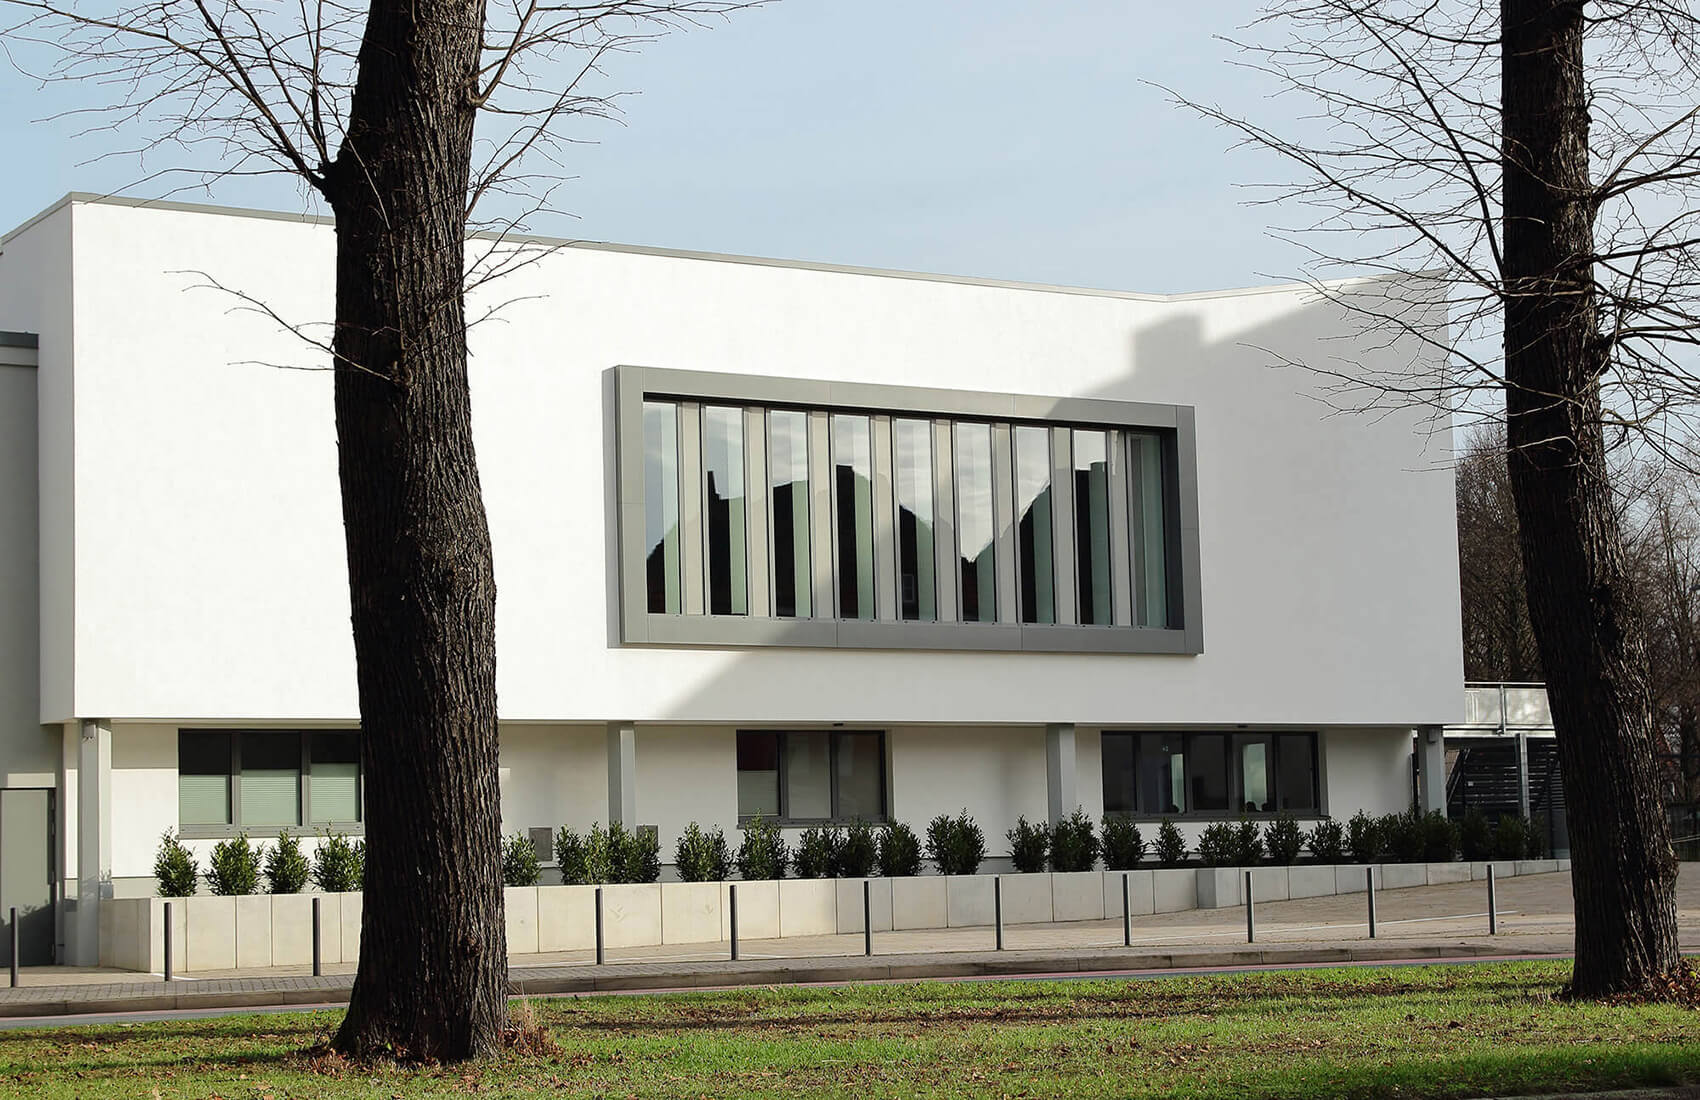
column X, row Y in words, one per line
column 236, row 867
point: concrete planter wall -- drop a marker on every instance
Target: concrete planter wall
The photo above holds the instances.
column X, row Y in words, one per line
column 214, row 933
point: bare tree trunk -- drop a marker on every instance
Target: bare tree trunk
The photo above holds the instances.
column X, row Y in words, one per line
column 432, row 981
column 1579, row 594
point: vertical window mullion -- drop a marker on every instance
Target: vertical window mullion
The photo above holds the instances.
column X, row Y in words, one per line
column 1063, row 505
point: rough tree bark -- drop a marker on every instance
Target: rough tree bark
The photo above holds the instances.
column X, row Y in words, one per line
column 432, row 981
column 1579, row 592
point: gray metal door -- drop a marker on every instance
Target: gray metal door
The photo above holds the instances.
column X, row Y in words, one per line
column 26, row 873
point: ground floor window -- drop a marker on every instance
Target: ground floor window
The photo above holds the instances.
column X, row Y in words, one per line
column 267, row 779
column 812, row 775
column 1172, row 774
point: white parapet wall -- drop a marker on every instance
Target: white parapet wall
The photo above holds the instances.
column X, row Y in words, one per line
column 263, row 930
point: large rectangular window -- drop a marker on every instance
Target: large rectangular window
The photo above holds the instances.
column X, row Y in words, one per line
column 1209, row 774
column 333, row 778
column 264, row 780
column 1035, row 540
column 912, row 443
column 976, row 524
column 853, row 501
column 723, row 503
column 661, row 505
column 1092, row 527
column 812, row 775
column 203, row 777
column 788, row 474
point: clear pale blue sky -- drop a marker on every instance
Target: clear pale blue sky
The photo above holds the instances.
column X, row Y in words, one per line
column 1005, row 138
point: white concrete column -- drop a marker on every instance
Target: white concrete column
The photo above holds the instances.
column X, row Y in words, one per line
column 1431, row 769
column 622, row 773
column 94, row 841
column 1061, row 772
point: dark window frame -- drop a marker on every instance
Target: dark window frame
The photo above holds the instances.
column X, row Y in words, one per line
column 305, row 823
column 784, row 819
column 1230, row 776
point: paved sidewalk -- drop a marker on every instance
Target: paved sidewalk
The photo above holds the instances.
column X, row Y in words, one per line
column 1422, row 923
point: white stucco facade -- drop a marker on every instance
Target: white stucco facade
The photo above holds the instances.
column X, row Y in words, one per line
column 184, row 567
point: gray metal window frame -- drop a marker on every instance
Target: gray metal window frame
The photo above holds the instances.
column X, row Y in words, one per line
column 236, row 826
column 1318, row 773
column 1175, row 425
column 784, row 819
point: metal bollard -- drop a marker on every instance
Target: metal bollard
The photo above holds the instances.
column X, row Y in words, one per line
column 600, row 957
column 1369, row 890
column 732, row 916
column 168, row 941
column 1127, row 914
column 1493, row 907
column 997, row 908
column 1250, row 921
column 318, row 957
column 867, row 917
column 14, row 932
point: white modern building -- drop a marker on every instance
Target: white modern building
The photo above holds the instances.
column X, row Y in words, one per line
column 771, row 538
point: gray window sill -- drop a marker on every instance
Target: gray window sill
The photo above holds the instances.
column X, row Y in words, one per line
column 268, row 833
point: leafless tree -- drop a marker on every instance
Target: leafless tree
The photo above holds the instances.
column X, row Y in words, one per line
column 405, row 118
column 1499, row 643
column 1535, row 163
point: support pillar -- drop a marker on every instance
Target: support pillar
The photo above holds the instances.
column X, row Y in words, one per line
column 1431, row 769
column 1523, row 807
column 622, row 773
column 1061, row 772
column 94, row 841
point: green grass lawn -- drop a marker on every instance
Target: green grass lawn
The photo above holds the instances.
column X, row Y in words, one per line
column 1407, row 1031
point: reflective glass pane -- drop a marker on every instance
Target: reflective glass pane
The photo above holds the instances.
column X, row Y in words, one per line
column 1252, row 772
column 976, row 523
column 1207, row 772
column 853, row 498
column 1295, row 785
column 917, row 593
column 788, row 471
column 1092, row 528
column 203, row 777
column 1116, row 750
column 723, row 505
column 661, row 505
column 334, row 780
column 808, row 776
column 758, row 774
column 1034, row 540
column 1145, row 473
column 1162, row 774
column 270, row 783
column 861, row 776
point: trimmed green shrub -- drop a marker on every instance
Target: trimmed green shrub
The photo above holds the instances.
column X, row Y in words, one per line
column 1440, row 838
column 1124, row 847
column 1283, row 840
column 762, row 854
column 234, row 870
column 1475, row 835
column 174, row 868
column 337, row 867
column 1074, row 843
column 635, row 853
column 1402, row 836
column 1029, row 845
column 702, row 856
column 817, row 852
column 955, row 844
column 1248, row 843
column 899, row 851
column 858, row 852
column 584, row 860
column 1327, row 841
column 1511, row 838
column 1363, row 838
column 1219, row 844
column 1170, row 848
column 286, row 867
column 519, row 862
column 360, row 865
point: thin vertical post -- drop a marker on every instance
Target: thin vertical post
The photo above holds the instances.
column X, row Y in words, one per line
column 997, row 908
column 1493, row 907
column 1250, row 920
column 12, row 924
column 1369, row 892
column 867, row 917
column 732, row 916
column 318, row 957
column 600, row 957
column 1127, row 914
column 168, row 941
